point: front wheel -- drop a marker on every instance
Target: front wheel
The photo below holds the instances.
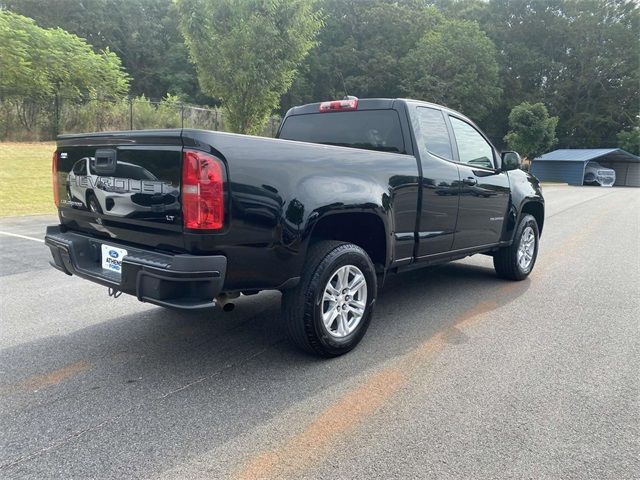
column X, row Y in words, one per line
column 329, row 311
column 516, row 261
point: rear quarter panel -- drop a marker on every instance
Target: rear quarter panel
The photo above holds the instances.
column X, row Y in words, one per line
column 279, row 189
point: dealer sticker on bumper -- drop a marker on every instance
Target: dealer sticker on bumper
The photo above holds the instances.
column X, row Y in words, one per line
column 112, row 258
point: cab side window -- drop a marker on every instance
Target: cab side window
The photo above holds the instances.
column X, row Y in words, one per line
column 473, row 149
column 434, row 132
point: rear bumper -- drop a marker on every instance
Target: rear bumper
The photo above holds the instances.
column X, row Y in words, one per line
column 185, row 282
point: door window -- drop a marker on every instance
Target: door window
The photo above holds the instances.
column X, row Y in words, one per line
column 473, row 149
column 434, row 132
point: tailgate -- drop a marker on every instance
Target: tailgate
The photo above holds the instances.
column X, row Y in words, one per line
column 123, row 185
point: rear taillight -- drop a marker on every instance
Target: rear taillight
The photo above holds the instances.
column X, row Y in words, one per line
column 54, row 179
column 350, row 103
column 202, row 191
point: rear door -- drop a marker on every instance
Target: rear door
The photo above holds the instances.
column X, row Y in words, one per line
column 484, row 192
column 440, row 182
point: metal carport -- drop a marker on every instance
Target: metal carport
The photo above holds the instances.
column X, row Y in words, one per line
column 568, row 165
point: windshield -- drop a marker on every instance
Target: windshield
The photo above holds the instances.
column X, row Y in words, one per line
column 368, row 129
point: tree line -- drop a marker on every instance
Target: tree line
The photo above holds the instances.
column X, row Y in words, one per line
column 532, row 73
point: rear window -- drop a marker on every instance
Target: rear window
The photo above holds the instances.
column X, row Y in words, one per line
column 367, row 129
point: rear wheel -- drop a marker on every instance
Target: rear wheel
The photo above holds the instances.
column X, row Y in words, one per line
column 516, row 261
column 329, row 311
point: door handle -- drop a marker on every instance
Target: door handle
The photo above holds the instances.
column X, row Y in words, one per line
column 471, row 181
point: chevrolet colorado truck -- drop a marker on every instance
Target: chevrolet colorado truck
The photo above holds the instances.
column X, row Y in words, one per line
column 349, row 191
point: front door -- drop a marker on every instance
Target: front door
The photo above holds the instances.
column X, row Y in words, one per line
column 484, row 192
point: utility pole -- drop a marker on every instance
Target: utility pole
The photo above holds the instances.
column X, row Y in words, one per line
column 56, row 115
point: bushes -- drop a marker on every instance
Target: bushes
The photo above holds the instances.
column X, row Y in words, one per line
column 93, row 116
column 22, row 120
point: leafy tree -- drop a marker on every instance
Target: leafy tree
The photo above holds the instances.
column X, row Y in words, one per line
column 247, row 52
column 629, row 140
column 476, row 10
column 360, row 48
column 40, row 64
column 577, row 56
column 454, row 64
column 532, row 131
column 143, row 33
column 601, row 95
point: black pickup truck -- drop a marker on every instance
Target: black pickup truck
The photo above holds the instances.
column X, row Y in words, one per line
column 349, row 191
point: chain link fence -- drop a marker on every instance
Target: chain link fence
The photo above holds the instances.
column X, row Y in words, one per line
column 27, row 119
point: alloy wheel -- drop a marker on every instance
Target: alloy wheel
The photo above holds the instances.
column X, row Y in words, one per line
column 344, row 301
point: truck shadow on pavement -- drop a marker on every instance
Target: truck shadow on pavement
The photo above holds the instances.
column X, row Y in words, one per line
column 410, row 308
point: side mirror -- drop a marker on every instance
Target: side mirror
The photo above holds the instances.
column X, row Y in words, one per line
column 511, row 161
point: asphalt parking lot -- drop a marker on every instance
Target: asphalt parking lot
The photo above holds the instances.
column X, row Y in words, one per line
column 461, row 375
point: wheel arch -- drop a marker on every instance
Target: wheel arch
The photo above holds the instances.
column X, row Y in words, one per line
column 365, row 229
column 87, row 196
column 534, row 208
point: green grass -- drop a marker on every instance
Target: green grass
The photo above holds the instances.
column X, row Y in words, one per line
column 25, row 178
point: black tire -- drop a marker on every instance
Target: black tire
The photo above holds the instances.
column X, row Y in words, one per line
column 302, row 305
column 505, row 260
column 93, row 204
